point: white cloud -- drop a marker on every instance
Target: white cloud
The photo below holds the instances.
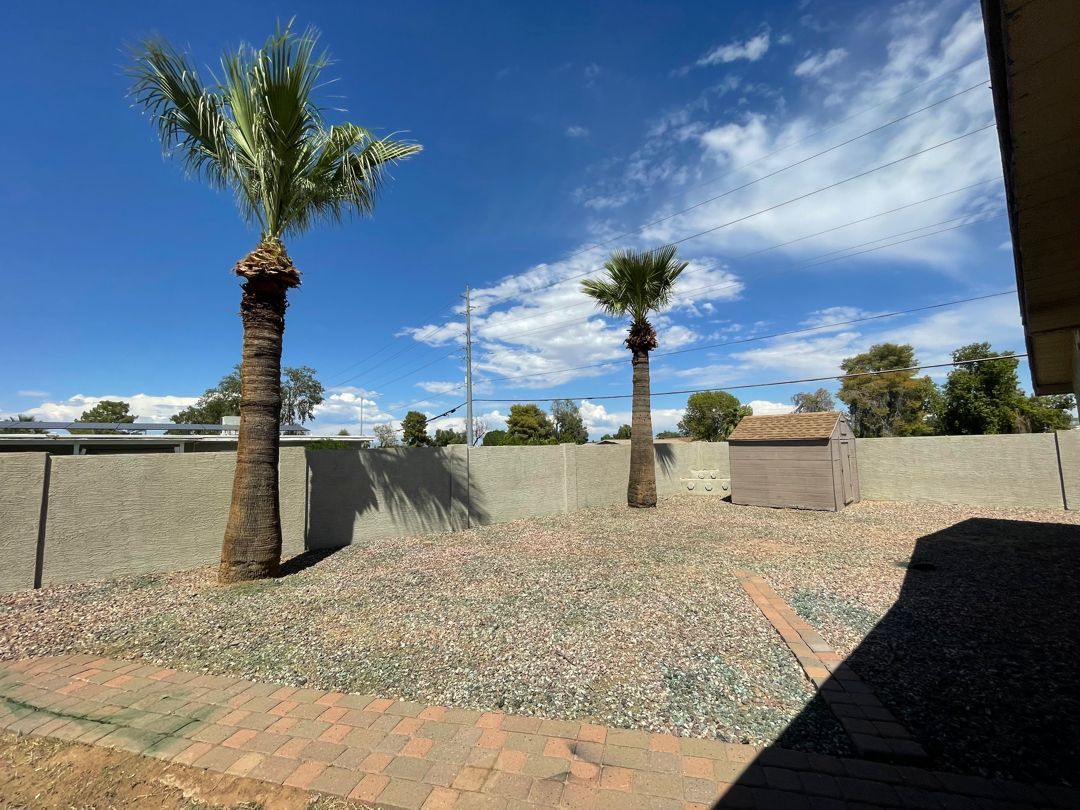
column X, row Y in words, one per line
column 818, row 63
column 599, row 420
column 750, row 152
column 575, row 131
column 32, row 393
column 441, row 386
column 529, row 324
column 146, row 407
column 934, row 337
column 762, row 407
column 751, row 50
column 602, row 201
column 835, row 315
column 349, row 407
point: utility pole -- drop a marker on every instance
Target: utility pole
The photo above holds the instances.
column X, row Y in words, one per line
column 361, row 416
column 468, row 369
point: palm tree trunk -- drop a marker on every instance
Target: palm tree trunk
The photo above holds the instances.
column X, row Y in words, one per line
column 252, row 545
column 641, row 491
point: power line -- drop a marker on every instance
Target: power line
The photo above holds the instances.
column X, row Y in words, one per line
column 407, row 374
column 757, row 338
column 909, row 239
column 768, row 209
column 767, row 384
column 433, row 418
column 867, row 219
column 384, row 348
column 702, row 185
column 832, row 185
column 744, row 186
column 725, row 284
column 834, row 324
column 792, row 200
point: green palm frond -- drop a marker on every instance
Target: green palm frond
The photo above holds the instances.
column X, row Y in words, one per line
column 190, row 119
column 637, row 282
column 260, row 132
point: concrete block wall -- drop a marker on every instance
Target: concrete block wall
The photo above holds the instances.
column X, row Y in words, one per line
column 140, row 513
column 22, row 485
column 1010, row 470
column 368, row 494
column 111, row 515
column 1068, row 448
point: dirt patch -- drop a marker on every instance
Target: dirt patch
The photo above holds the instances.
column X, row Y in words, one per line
column 42, row 774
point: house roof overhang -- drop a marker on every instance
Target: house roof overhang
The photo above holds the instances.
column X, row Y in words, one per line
column 1035, row 72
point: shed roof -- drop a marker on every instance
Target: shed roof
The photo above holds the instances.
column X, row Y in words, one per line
column 785, row 426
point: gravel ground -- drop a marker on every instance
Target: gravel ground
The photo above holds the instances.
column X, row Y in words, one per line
column 630, row 617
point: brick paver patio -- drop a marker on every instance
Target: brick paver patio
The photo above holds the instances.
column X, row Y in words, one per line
column 404, row 755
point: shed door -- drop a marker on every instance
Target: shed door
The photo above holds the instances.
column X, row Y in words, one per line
column 847, row 448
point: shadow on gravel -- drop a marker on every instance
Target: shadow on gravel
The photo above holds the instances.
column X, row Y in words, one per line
column 978, row 656
column 301, row 562
column 355, row 495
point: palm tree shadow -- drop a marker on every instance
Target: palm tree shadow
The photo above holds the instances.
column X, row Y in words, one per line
column 665, row 458
column 360, row 495
column 977, row 657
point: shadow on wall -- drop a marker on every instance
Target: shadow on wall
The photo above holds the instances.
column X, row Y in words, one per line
column 360, row 495
column 665, row 457
column 977, row 658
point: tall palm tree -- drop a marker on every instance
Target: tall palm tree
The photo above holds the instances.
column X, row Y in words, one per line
column 638, row 283
column 259, row 132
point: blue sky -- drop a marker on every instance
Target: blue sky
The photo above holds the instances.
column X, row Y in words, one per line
column 547, row 130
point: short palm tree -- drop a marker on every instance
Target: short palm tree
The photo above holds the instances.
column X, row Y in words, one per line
column 637, row 283
column 259, row 133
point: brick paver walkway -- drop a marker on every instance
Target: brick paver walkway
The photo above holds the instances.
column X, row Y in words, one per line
column 398, row 754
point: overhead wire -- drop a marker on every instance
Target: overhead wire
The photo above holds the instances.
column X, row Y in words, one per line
column 436, row 329
column 741, row 187
column 756, row 338
column 681, row 294
column 745, row 386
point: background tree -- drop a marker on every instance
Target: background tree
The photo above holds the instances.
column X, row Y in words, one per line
column 495, row 438
column 479, row 430
column 108, row 410
column 1046, row 414
column 813, row 402
column 260, row 133
column 343, row 432
column 447, row 436
column 414, row 430
column 300, row 393
column 986, row 397
column 898, row 404
column 637, row 284
column 624, row 432
column 527, row 424
column 21, row 417
column 710, row 416
column 569, row 426
column 386, row 435
column 669, row 434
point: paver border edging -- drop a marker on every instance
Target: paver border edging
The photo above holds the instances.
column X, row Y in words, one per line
column 874, row 730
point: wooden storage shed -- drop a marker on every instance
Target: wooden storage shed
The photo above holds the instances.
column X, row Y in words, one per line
column 800, row 460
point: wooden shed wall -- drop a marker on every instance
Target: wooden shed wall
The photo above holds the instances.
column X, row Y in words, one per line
column 784, row 474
